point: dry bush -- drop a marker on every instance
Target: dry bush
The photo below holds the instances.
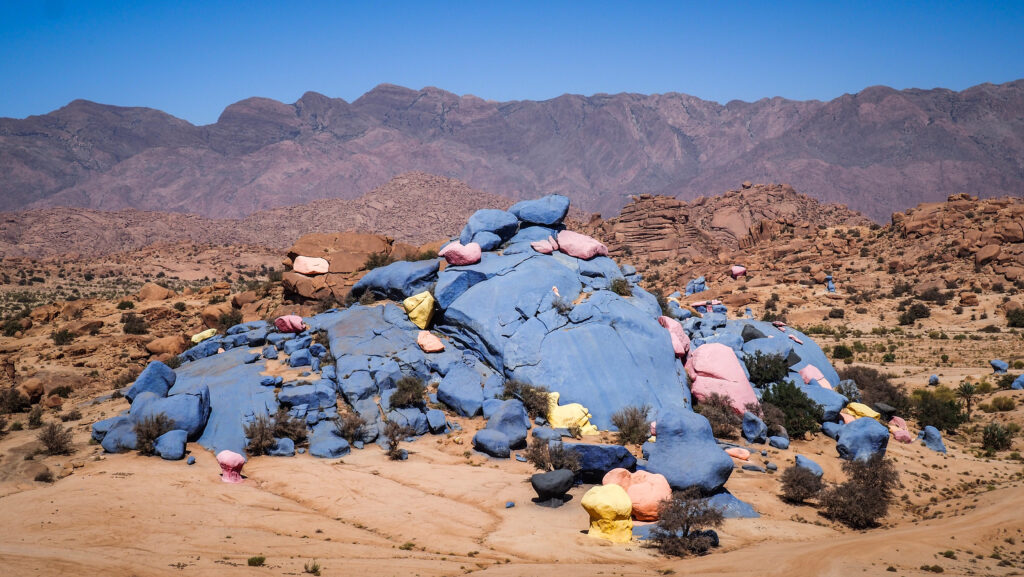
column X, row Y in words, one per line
column 148, row 429
column 35, row 417
column 285, row 425
column 56, row 439
column 875, row 387
column 260, row 432
column 800, row 484
column 684, row 524
column 395, row 434
column 548, row 456
column 865, row 496
column 410, row 392
column 350, row 426
column 12, row 401
column 717, row 409
column 633, row 424
column 534, row 397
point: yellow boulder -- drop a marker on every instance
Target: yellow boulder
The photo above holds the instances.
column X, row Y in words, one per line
column 200, row 337
column 609, row 507
column 420, row 308
column 859, row 410
column 565, row 416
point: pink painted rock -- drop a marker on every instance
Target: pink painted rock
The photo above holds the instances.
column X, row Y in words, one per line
column 813, row 373
column 847, row 418
column 310, row 265
column 580, row 245
column 621, row 477
column 737, row 271
column 458, row 254
column 646, row 491
column 899, row 423
column 231, row 464
column 429, row 342
column 545, row 246
column 714, row 368
column 290, row 324
column 901, row 436
column 738, row 453
column 654, row 428
column 796, row 340
column 680, row 342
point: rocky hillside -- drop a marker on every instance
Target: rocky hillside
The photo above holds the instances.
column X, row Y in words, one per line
column 877, row 151
column 413, row 208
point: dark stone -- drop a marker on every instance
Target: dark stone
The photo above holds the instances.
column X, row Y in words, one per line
column 552, row 486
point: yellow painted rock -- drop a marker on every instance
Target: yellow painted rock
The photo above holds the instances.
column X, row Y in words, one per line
column 859, row 410
column 565, row 416
column 609, row 507
column 200, row 337
column 420, row 308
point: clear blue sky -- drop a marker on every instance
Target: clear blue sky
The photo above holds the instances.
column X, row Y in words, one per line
column 192, row 59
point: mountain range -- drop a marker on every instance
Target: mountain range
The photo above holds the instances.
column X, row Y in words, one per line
column 877, row 151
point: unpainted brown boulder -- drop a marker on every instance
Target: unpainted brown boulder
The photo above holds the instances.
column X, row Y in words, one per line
column 154, row 292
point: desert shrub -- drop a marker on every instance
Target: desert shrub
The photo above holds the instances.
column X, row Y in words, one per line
column 866, row 495
column 311, row 567
column 938, row 408
column 3, row 425
column 133, row 324
column 350, row 426
column 179, row 306
column 173, row 362
column 995, row 437
column 62, row 337
column 12, row 401
column 620, row 286
column 842, row 352
column 562, row 305
column 765, row 368
column 682, row 522
column 849, row 390
column 410, row 391
column 44, row 476
column 800, row 484
column 534, row 397
column 125, row 305
column 875, row 387
column 148, row 429
column 1005, row 381
column 35, row 417
column 551, row 456
column 633, row 424
column 11, row 327
column 230, row 319
column 801, row 413
column 73, row 415
column 717, row 409
column 1015, row 318
column 836, row 314
column 217, row 299
column 367, row 298
column 395, row 433
column 772, row 416
column 17, row 426
column 377, row 260
column 1003, row 404
column 256, row 561
column 56, row 439
column 662, row 301
column 287, row 426
column 62, row 391
column 914, row 312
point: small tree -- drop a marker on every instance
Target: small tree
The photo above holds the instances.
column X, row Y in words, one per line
column 62, row 337
column 684, row 522
column 633, row 424
column 966, row 392
column 56, row 439
column 866, row 495
column 1015, row 318
column 995, row 437
column 149, row 429
column 938, row 408
column 802, row 414
column 395, row 434
column 765, row 369
column 35, row 417
column 133, row 324
column 800, row 484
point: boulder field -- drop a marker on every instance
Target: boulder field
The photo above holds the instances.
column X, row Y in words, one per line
column 514, row 313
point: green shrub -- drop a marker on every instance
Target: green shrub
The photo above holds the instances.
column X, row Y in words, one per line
column 765, row 369
column 914, row 312
column 938, row 408
column 410, row 392
column 682, row 522
column 62, row 337
column 12, row 401
column 842, row 352
column 35, row 417
column 717, row 409
column 633, row 424
column 133, row 324
column 1003, row 404
column 45, row 476
column 801, row 413
column 876, row 387
column 179, row 306
column 620, row 286
column 256, row 561
column 229, row 319
column 56, row 439
column 866, row 495
column 125, row 305
column 800, row 484
column 534, row 397
column 1015, row 318
column 836, row 314
column 149, row 429
column 995, row 437
column 377, row 260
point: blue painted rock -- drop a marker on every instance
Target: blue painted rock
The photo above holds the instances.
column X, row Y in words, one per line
column 492, row 442
column 802, row 461
column 597, row 460
column 171, row 445
column 932, row 439
column 548, row 210
column 686, row 452
column 862, row 439
column 754, row 429
column 510, row 418
column 157, row 378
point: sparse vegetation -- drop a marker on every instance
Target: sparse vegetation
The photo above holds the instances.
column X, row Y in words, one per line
column 801, row 413
column 350, row 426
column 938, row 408
column 1015, row 318
column 410, row 391
column 12, row 401
column 395, row 434
column 865, row 496
column 148, row 429
column 620, row 286
column 551, row 456
column 287, row 426
column 260, row 432
column 800, row 484
column 133, row 324
column 229, row 319
column 633, row 425
column 377, row 260
column 765, row 369
column 534, row 397
column 62, row 337
column 995, row 437
column 56, row 439
column 876, row 387
column 717, row 409
column 256, row 561
column 35, row 417
column 311, row 567
column 685, row 524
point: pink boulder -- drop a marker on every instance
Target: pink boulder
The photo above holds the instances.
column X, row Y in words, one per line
column 310, row 265
column 545, row 246
column 737, row 271
column 290, row 324
column 231, row 464
column 901, row 436
column 680, row 342
column 580, row 245
column 646, row 491
column 458, row 254
column 796, row 340
column 621, row 477
column 847, row 418
column 738, row 453
column 429, row 342
column 813, row 373
column 898, row 423
column 714, row 368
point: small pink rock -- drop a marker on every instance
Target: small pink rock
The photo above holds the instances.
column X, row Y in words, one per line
column 847, row 418
column 458, row 254
column 898, row 422
column 738, row 453
column 310, row 265
column 231, row 464
column 290, row 324
column 901, row 436
column 796, row 340
column 737, row 271
column 545, row 246
column 680, row 342
column 813, row 373
column 429, row 342
column 580, row 245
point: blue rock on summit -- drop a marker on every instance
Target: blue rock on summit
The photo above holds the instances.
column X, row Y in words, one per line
column 398, row 280
column 548, row 211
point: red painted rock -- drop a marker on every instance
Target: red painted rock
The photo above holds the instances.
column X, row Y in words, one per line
column 231, row 464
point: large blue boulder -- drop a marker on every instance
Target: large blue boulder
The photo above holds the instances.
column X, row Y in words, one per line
column 295, row 344
column 932, row 438
column 101, row 428
column 460, row 390
column 187, row 410
column 546, row 434
column 802, row 461
column 510, row 418
column 326, row 443
column 357, row 386
column 779, row 442
column 596, row 460
column 548, row 210
column 300, row 358
column 999, row 367
column 398, row 280
column 830, row 401
column 492, row 442
column 320, row 394
column 155, row 378
column 410, row 417
column 436, row 421
column 754, row 429
column 696, row 285
column 731, row 507
column 120, row 435
column 832, row 429
column 862, row 439
column 171, row 445
column 686, row 452
column 207, row 348
column 499, row 222
column 1017, row 383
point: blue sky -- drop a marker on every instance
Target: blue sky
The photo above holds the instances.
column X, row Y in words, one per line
column 192, row 59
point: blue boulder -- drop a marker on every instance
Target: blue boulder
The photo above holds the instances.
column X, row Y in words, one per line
column 932, row 438
column 120, row 436
column 1018, row 383
column 731, row 507
column 802, row 461
column 300, row 358
column 492, row 442
column 548, row 211
column 410, row 417
column 998, row 366
column 156, row 378
column 499, row 222
column 933, row 380
column 398, row 280
column 830, row 402
column 596, row 460
column 171, row 445
column 779, row 442
column 436, row 421
column 317, row 395
column 270, row 352
column 295, row 344
column 326, row 443
column 283, row 447
column 862, row 439
column 754, row 429
column 188, row 411
column 491, row 406
column 461, row 391
column 487, row 240
column 686, row 452
column 832, row 429
column 510, row 418
column 546, row 434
